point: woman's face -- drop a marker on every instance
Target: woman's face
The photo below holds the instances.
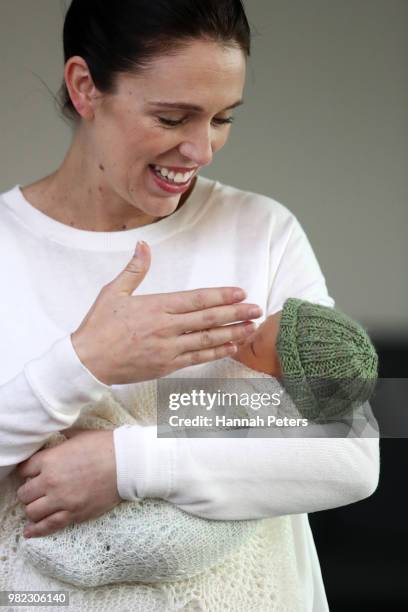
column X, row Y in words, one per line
column 135, row 129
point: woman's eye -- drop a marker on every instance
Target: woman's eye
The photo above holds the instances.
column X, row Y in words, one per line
column 224, row 121
column 173, row 123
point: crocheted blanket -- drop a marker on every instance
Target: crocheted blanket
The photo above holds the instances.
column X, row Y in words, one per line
column 151, row 555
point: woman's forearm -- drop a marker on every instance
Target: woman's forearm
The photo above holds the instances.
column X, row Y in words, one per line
column 245, row 478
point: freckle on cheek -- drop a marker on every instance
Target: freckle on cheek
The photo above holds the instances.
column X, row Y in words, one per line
column 101, row 167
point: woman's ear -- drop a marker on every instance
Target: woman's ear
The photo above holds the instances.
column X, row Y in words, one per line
column 80, row 86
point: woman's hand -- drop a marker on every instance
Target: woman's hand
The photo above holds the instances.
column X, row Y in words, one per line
column 127, row 338
column 69, row 483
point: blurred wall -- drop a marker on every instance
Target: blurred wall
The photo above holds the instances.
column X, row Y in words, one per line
column 323, row 130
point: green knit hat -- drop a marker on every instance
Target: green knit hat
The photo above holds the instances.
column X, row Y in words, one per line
column 328, row 362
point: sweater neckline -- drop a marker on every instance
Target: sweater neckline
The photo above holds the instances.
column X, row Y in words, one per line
column 41, row 224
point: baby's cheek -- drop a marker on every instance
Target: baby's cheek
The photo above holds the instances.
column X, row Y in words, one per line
column 266, row 357
column 246, row 356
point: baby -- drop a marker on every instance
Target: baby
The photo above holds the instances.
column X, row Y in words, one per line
column 323, row 358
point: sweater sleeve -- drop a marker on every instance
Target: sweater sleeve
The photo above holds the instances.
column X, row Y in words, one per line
column 45, row 397
column 245, row 478
column 234, row 478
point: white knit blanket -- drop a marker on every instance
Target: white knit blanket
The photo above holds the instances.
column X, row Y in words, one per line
column 150, row 555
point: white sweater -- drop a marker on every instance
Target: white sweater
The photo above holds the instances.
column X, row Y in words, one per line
column 50, row 275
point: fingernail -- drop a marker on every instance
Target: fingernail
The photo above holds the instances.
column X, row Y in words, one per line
column 239, row 294
column 27, row 534
column 137, row 249
column 255, row 312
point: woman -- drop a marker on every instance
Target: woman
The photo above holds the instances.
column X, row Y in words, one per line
column 150, row 89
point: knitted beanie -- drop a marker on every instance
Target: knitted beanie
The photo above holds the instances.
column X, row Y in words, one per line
column 329, row 365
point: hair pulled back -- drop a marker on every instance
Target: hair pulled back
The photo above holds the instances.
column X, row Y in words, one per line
column 125, row 36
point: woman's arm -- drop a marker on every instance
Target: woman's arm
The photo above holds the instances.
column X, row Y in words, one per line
column 245, row 478
column 45, row 397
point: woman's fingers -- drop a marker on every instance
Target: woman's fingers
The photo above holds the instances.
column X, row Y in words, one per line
column 215, row 317
column 31, row 467
column 199, row 299
column 40, row 509
column 30, row 491
column 197, row 357
column 47, row 526
column 210, row 338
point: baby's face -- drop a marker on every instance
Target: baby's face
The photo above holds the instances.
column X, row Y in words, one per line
column 259, row 350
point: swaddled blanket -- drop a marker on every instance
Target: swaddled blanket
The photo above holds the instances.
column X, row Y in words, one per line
column 257, row 561
column 147, row 541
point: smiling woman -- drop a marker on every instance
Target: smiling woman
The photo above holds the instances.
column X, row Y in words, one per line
column 126, row 133
column 128, row 118
column 149, row 89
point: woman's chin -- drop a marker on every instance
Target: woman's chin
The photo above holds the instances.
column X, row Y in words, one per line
column 164, row 208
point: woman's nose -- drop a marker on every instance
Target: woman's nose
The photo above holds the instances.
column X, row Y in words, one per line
column 198, row 147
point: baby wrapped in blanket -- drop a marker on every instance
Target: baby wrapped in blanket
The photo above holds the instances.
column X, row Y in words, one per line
column 328, row 367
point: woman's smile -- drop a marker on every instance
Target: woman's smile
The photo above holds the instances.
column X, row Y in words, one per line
column 167, row 184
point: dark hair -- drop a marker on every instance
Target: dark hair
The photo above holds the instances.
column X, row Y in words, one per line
column 126, row 35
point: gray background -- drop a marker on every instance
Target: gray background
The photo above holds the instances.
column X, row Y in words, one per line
column 323, row 131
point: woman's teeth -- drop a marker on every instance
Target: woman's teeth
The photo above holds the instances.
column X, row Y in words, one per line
column 173, row 177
